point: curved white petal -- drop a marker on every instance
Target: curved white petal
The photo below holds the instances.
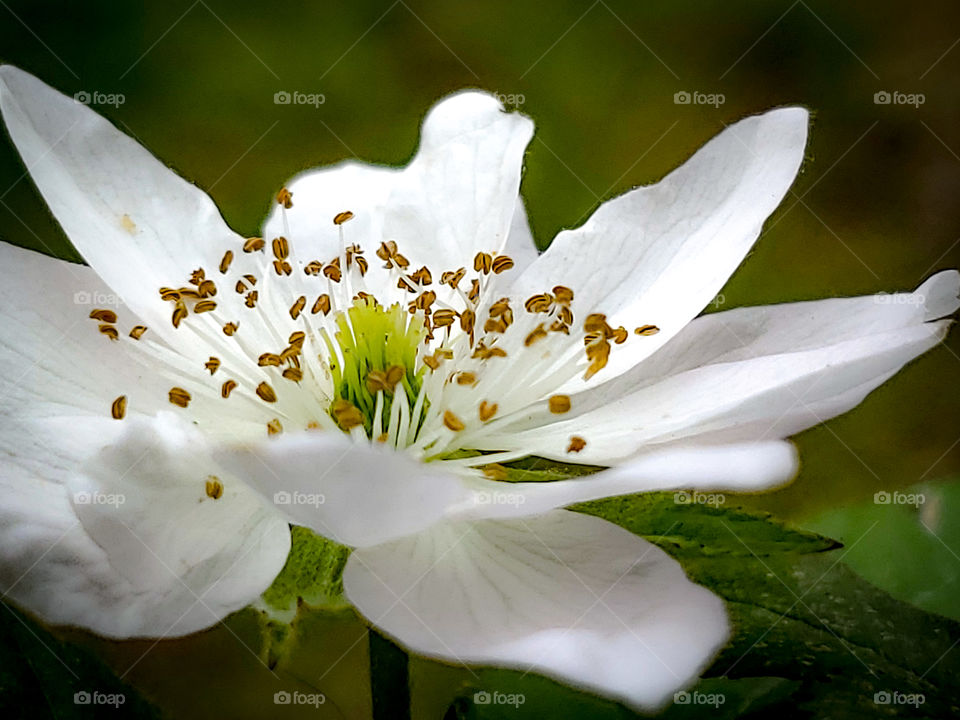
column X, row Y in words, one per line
column 457, row 196
column 125, row 541
column 736, row 467
column 658, row 254
column 748, row 374
column 352, row 492
column 566, row 595
column 138, row 224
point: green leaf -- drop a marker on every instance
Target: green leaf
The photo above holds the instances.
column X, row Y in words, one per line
column 810, row 639
column 44, row 677
column 905, row 542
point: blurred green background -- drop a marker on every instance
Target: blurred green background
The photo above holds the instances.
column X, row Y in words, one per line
column 874, row 209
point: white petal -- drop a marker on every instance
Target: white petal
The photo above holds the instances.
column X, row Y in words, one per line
column 355, row 493
column 457, row 196
column 570, row 596
column 737, row 467
column 658, row 254
column 138, row 224
column 130, row 545
column 749, row 374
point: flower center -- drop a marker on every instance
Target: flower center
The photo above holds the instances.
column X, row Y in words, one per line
column 373, row 362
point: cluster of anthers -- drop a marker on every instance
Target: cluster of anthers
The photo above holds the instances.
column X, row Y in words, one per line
column 433, row 365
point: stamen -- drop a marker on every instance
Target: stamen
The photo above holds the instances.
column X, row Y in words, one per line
column 254, row 244
column 212, row 364
column 119, row 408
column 137, row 332
column 204, row 306
column 227, row 388
column 559, row 404
column 230, row 328
column 104, row 316
column 180, row 397
column 266, row 392
column 297, row 307
column 214, row 488
column 577, row 444
column 110, row 331
column 647, row 330
column 487, row 410
column 342, row 217
column 452, row 421
column 274, row 427
column 285, row 198
column 225, row 263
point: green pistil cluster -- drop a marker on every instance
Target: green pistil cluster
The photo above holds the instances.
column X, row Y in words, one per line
column 379, row 350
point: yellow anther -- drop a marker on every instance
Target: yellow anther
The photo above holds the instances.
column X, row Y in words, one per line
column 266, row 393
column 297, row 307
column 205, row 306
column 281, row 249
column 444, row 317
column 137, row 331
column 269, row 359
column 251, row 299
column 225, row 263
column 577, row 444
column 342, row 217
column 213, row 364
column 104, row 316
column 293, row 374
column 483, row 262
column 322, row 305
column 253, row 244
column 563, row 294
column 119, row 408
column 494, row 471
column 501, row 264
column 297, row 337
column 487, row 410
column 230, row 328
column 647, row 330
column 227, row 388
column 466, row 378
column 346, row 414
column 197, row 276
column 538, row 333
column 109, row 330
column 539, row 303
column 285, row 198
column 452, row 421
column 213, row 487
column 179, row 313
column 559, row 404
column 274, row 427
column 179, row 397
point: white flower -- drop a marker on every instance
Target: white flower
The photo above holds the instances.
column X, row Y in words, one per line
column 149, row 475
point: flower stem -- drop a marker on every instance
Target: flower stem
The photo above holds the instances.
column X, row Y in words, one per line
column 389, row 679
